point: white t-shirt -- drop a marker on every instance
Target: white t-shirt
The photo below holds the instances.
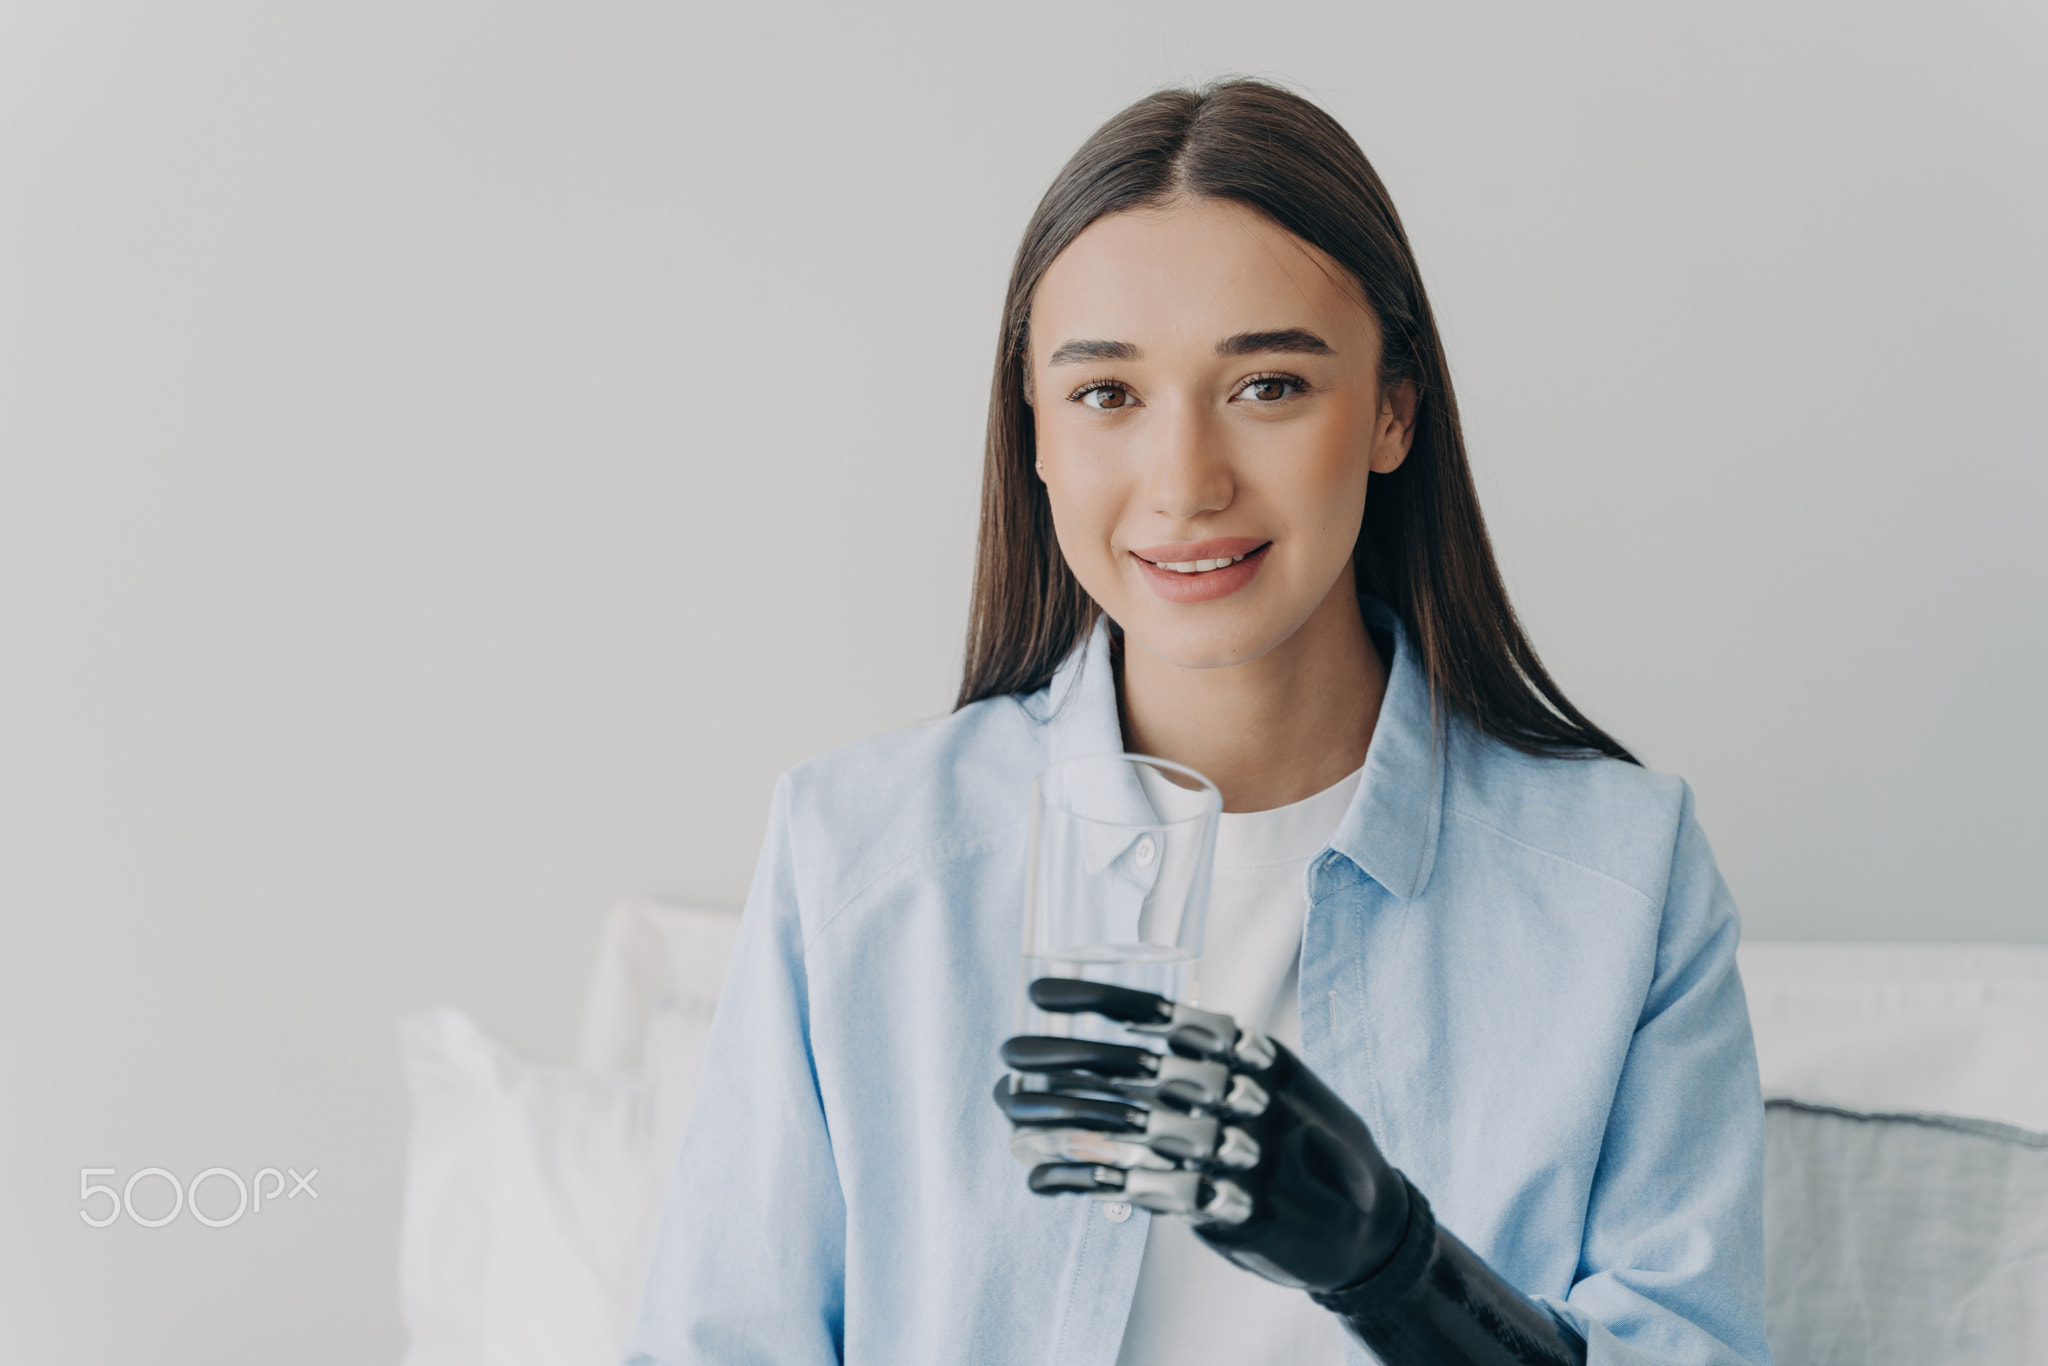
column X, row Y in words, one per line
column 1193, row 1308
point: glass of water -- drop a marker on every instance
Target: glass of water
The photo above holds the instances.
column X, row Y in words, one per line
column 1117, row 888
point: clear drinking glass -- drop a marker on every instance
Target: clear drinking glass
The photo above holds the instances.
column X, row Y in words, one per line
column 1117, row 888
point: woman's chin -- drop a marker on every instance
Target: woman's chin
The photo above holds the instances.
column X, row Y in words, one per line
column 1187, row 645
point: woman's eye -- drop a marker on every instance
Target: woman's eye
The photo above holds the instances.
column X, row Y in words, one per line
column 1105, row 397
column 1270, row 390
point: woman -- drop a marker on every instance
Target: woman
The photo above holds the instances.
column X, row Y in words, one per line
column 1228, row 521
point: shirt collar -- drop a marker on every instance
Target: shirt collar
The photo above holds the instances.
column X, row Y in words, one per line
column 1390, row 829
column 1079, row 705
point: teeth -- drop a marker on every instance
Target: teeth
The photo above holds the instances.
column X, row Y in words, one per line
column 1199, row 566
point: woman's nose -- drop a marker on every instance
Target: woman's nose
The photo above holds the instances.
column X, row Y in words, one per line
column 1187, row 470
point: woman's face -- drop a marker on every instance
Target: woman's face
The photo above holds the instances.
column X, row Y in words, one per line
column 1204, row 385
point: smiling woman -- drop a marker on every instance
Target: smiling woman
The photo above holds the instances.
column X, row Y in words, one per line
column 1458, row 941
column 1186, row 467
column 1264, row 195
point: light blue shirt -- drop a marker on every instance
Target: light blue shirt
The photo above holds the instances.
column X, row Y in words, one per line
column 1519, row 971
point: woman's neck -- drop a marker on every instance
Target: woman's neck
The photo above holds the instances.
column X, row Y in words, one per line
column 1272, row 730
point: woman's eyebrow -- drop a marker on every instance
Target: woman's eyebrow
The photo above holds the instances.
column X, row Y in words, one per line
column 1075, row 352
column 1294, row 339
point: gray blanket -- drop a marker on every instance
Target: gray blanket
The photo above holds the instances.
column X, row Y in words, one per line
column 1920, row 1240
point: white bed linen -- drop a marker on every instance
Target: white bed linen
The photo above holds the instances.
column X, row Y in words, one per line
column 533, row 1190
column 1958, row 1029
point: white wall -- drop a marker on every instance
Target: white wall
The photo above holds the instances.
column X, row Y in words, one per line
column 453, row 455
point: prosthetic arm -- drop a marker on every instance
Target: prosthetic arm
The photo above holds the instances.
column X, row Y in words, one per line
column 1230, row 1130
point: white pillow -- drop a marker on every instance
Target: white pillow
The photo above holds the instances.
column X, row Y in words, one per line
column 1954, row 1029
column 533, row 1190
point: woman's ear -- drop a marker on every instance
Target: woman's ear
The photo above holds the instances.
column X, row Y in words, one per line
column 1394, row 432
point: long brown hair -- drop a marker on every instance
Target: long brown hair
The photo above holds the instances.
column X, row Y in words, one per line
column 1422, row 547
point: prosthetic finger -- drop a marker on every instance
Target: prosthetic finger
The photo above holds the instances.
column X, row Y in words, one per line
column 1169, row 1142
column 1188, row 1031
column 1072, row 996
column 1169, row 1133
column 1035, row 1147
column 1199, row 1197
column 1058, row 1108
column 1190, row 1081
column 1121, row 1070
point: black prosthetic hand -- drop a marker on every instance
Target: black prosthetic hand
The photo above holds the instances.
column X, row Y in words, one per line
column 1233, row 1132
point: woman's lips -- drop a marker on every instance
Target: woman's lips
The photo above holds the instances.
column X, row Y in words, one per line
column 1233, row 563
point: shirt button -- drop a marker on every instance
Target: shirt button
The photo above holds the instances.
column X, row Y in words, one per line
column 1116, row 1211
column 1144, row 854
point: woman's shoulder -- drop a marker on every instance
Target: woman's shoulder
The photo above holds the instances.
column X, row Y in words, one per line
column 972, row 745
column 1616, row 818
column 862, row 807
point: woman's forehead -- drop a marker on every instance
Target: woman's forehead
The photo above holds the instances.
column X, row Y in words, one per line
column 1193, row 271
